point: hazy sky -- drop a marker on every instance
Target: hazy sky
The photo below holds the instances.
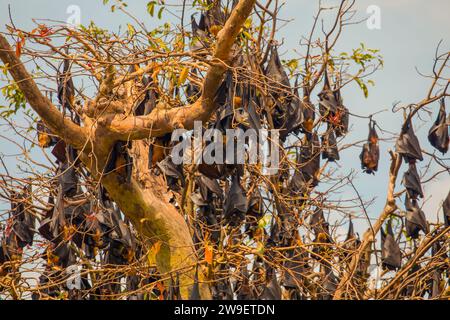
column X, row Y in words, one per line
column 410, row 31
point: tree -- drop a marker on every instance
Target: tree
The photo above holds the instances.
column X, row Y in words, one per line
column 116, row 204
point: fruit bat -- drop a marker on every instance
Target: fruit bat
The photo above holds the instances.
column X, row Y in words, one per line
column 408, row 145
column 329, row 285
column 199, row 36
column 411, row 181
column 66, row 89
column 272, row 290
column 278, row 79
column 254, row 213
column 242, row 289
column 320, row 227
column 192, row 90
column 208, row 187
column 370, row 154
column 174, row 288
column 214, row 17
column 293, row 118
column 321, row 234
column 148, row 103
column 158, row 150
column 391, row 256
column 438, row 134
column 415, row 218
column 446, row 210
column 23, row 219
column 235, row 204
column 328, row 104
column 351, row 242
column 59, row 151
column 45, row 138
column 329, row 145
column 194, row 294
column 295, row 266
column 340, row 120
column 120, row 161
column 68, row 180
column 309, row 163
column 172, row 172
column 309, row 113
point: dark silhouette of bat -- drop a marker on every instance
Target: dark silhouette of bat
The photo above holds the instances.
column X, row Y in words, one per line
column 321, row 232
column 66, row 89
column 23, row 220
column 194, row 294
column 272, row 290
column 391, row 256
column 235, row 204
column 173, row 173
column 329, row 145
column 438, row 134
column 370, row 154
column 411, row 181
column 278, row 79
column 151, row 96
column 415, row 218
column 407, row 144
column 120, row 161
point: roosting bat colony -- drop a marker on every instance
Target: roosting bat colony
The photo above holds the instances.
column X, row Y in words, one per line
column 106, row 213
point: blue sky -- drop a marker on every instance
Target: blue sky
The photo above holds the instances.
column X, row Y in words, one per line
column 410, row 31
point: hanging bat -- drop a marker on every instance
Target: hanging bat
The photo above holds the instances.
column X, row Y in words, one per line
column 328, row 103
column 340, row 120
column 352, row 241
column 208, row 187
column 408, row 145
column 158, row 150
column 330, row 283
column 235, row 204
column 293, row 117
column 172, row 172
column 214, row 17
column 199, row 39
column 278, row 78
column 411, row 181
column 23, row 219
column 391, row 256
column 309, row 112
column 329, row 145
column 321, row 233
column 415, row 218
column 151, row 96
column 68, row 180
column 272, row 290
column 243, row 290
column 45, row 138
column 309, row 165
column 120, row 161
column 438, row 134
column 446, row 210
column 370, row 154
column 194, row 294
column 66, row 89
column 254, row 213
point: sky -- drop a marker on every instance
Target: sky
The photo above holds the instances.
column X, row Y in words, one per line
column 410, row 31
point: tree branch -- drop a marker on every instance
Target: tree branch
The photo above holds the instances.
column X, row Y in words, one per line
column 162, row 121
column 53, row 118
